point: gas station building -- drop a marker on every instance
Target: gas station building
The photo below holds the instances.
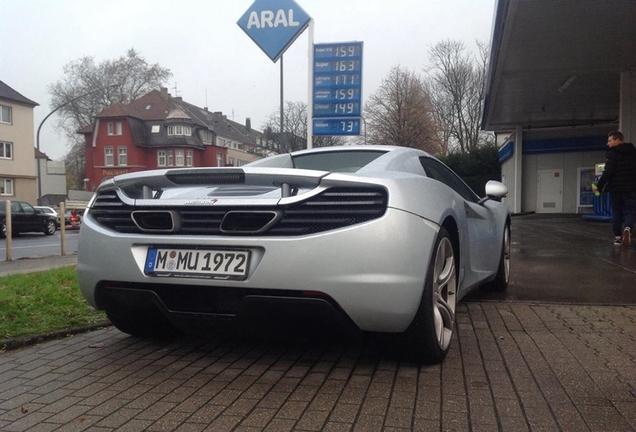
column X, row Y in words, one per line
column 562, row 74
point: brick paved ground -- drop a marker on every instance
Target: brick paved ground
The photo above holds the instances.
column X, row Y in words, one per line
column 512, row 367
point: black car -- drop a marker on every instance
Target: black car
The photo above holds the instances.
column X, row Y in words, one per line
column 25, row 218
column 49, row 210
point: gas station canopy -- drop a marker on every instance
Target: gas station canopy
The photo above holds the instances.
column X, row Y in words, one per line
column 558, row 63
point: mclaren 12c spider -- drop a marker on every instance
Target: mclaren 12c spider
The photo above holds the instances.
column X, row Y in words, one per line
column 368, row 239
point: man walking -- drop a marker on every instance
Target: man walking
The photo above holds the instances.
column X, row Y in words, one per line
column 619, row 178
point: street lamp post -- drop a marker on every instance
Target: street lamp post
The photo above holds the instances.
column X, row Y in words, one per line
column 365, row 129
column 37, row 138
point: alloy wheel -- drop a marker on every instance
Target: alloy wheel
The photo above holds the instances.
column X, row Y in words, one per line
column 506, row 254
column 444, row 292
column 50, row 227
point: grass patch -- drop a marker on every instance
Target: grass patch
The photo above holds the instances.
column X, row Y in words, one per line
column 42, row 302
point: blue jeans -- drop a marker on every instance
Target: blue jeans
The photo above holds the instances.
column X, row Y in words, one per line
column 623, row 210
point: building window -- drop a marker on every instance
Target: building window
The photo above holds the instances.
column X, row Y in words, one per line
column 5, row 114
column 165, row 158
column 155, row 129
column 180, row 130
column 114, row 128
column 6, row 187
column 230, row 161
column 207, row 137
column 6, row 150
column 189, row 158
column 179, row 157
column 108, row 156
column 122, row 156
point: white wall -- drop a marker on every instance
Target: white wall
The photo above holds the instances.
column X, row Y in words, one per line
column 570, row 163
column 53, row 177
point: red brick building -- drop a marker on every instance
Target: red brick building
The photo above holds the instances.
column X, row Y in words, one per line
column 161, row 131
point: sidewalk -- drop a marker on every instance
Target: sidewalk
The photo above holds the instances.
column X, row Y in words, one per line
column 513, row 367
column 28, row 265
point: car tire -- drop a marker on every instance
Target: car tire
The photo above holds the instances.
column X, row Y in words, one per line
column 3, row 231
column 49, row 228
column 143, row 325
column 501, row 280
column 428, row 338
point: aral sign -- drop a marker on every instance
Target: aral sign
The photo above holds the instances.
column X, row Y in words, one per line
column 274, row 25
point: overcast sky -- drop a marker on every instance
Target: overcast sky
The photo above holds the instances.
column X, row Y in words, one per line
column 213, row 62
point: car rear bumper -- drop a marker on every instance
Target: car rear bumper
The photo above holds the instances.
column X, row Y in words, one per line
column 254, row 312
column 371, row 274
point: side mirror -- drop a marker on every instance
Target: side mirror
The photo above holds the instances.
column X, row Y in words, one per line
column 495, row 190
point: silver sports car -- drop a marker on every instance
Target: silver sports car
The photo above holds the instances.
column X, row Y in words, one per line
column 376, row 239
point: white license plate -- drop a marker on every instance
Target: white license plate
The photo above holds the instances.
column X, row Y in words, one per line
column 197, row 263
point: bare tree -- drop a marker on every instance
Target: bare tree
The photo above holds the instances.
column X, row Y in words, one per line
column 328, row 140
column 121, row 80
column 75, row 162
column 456, row 84
column 93, row 87
column 400, row 113
column 294, row 135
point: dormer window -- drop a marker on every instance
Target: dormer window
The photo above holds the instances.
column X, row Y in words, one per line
column 114, row 128
column 207, row 137
column 180, row 130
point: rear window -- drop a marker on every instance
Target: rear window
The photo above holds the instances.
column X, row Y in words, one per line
column 337, row 161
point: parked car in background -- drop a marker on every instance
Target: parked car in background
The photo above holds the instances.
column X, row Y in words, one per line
column 378, row 239
column 73, row 219
column 50, row 211
column 25, row 218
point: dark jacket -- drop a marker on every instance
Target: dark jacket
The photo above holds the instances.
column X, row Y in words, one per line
column 620, row 169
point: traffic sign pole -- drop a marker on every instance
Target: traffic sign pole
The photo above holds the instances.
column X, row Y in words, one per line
column 310, row 98
column 274, row 25
column 282, row 108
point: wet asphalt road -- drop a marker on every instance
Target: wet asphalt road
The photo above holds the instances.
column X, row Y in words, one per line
column 567, row 260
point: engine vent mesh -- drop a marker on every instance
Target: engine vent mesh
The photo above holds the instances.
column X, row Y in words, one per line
column 332, row 209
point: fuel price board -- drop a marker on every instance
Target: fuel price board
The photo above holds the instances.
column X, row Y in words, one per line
column 337, row 88
column 337, row 126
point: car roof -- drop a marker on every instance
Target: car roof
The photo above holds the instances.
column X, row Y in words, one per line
column 13, row 200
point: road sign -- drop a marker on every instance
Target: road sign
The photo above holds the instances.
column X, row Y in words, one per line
column 274, row 25
column 337, row 126
column 337, row 88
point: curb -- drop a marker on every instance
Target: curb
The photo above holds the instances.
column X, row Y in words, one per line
column 25, row 341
